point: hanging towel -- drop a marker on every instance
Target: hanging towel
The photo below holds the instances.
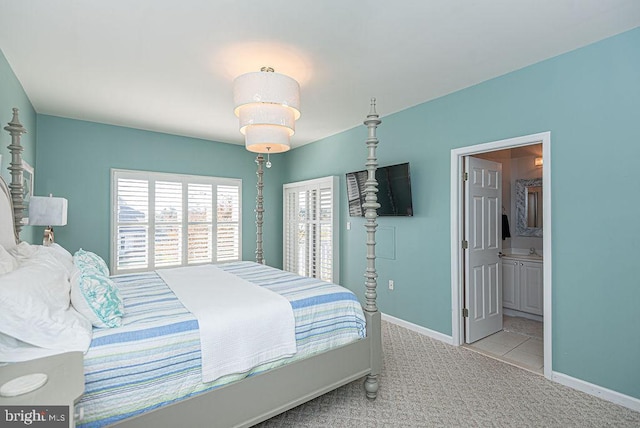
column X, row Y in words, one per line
column 505, row 227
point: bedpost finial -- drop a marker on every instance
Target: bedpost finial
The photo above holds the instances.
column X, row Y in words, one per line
column 15, row 119
column 372, row 111
column 15, row 126
column 373, row 118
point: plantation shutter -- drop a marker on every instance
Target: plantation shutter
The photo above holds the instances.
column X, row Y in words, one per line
column 228, row 232
column 183, row 229
column 325, row 234
column 355, row 192
column 200, row 231
column 132, row 231
column 310, row 242
column 290, row 230
column 168, row 225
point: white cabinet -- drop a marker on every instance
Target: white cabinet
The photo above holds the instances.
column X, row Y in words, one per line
column 522, row 286
column 510, row 284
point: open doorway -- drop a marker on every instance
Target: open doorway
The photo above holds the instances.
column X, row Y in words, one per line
column 527, row 254
column 518, row 269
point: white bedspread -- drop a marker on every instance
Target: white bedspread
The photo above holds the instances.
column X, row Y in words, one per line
column 241, row 324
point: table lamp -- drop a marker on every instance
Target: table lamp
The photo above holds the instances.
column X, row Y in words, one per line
column 49, row 212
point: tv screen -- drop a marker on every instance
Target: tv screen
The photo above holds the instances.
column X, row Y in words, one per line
column 394, row 191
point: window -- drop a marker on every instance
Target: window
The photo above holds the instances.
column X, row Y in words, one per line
column 167, row 220
column 311, row 228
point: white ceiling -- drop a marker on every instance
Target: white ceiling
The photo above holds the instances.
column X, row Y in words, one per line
column 169, row 66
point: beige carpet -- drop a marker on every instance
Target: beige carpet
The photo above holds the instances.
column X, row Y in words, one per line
column 426, row 383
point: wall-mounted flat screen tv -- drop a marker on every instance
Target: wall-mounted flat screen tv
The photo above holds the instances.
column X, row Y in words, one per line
column 394, row 191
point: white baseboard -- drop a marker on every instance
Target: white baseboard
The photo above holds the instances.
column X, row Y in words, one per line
column 572, row 382
column 419, row 329
column 598, row 391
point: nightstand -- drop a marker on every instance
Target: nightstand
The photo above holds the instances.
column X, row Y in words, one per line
column 64, row 386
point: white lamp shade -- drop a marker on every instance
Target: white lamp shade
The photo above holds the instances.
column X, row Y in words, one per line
column 47, row 211
column 267, row 139
column 266, row 87
column 266, row 114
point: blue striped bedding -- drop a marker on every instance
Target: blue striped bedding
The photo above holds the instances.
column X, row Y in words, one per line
column 154, row 358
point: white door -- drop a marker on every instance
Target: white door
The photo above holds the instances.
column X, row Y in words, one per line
column 483, row 234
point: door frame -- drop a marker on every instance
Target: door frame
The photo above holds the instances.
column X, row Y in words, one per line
column 457, row 227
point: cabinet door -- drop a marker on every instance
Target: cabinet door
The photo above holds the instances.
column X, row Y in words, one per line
column 510, row 287
column 531, row 290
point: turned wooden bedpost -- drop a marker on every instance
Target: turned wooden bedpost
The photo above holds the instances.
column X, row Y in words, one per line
column 16, row 130
column 371, row 205
column 259, row 209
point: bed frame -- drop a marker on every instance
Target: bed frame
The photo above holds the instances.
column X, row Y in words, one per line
column 260, row 397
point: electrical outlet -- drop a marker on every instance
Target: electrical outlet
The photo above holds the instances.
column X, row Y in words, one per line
column 348, row 225
column 391, row 284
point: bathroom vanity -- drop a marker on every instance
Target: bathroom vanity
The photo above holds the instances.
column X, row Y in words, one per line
column 522, row 283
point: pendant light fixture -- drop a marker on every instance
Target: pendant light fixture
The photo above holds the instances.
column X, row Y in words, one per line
column 267, row 105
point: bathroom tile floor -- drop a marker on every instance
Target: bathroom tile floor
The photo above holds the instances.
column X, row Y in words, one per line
column 519, row 344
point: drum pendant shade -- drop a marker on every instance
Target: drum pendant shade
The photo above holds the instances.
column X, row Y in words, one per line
column 267, row 105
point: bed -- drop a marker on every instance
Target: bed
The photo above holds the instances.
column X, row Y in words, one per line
column 148, row 370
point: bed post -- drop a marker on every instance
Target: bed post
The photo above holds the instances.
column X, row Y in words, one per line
column 371, row 205
column 259, row 210
column 16, row 129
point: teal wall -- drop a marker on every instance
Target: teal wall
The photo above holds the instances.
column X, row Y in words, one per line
column 74, row 161
column 12, row 95
column 590, row 101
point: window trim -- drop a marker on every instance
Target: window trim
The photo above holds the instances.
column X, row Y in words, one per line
column 331, row 181
column 175, row 177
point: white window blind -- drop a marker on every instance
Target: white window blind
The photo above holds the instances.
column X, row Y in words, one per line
column 194, row 219
column 311, row 228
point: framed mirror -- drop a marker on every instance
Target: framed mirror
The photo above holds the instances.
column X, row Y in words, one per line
column 529, row 207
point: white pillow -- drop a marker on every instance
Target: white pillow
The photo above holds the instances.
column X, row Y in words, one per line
column 8, row 263
column 63, row 256
column 36, row 309
column 26, row 253
column 23, row 251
